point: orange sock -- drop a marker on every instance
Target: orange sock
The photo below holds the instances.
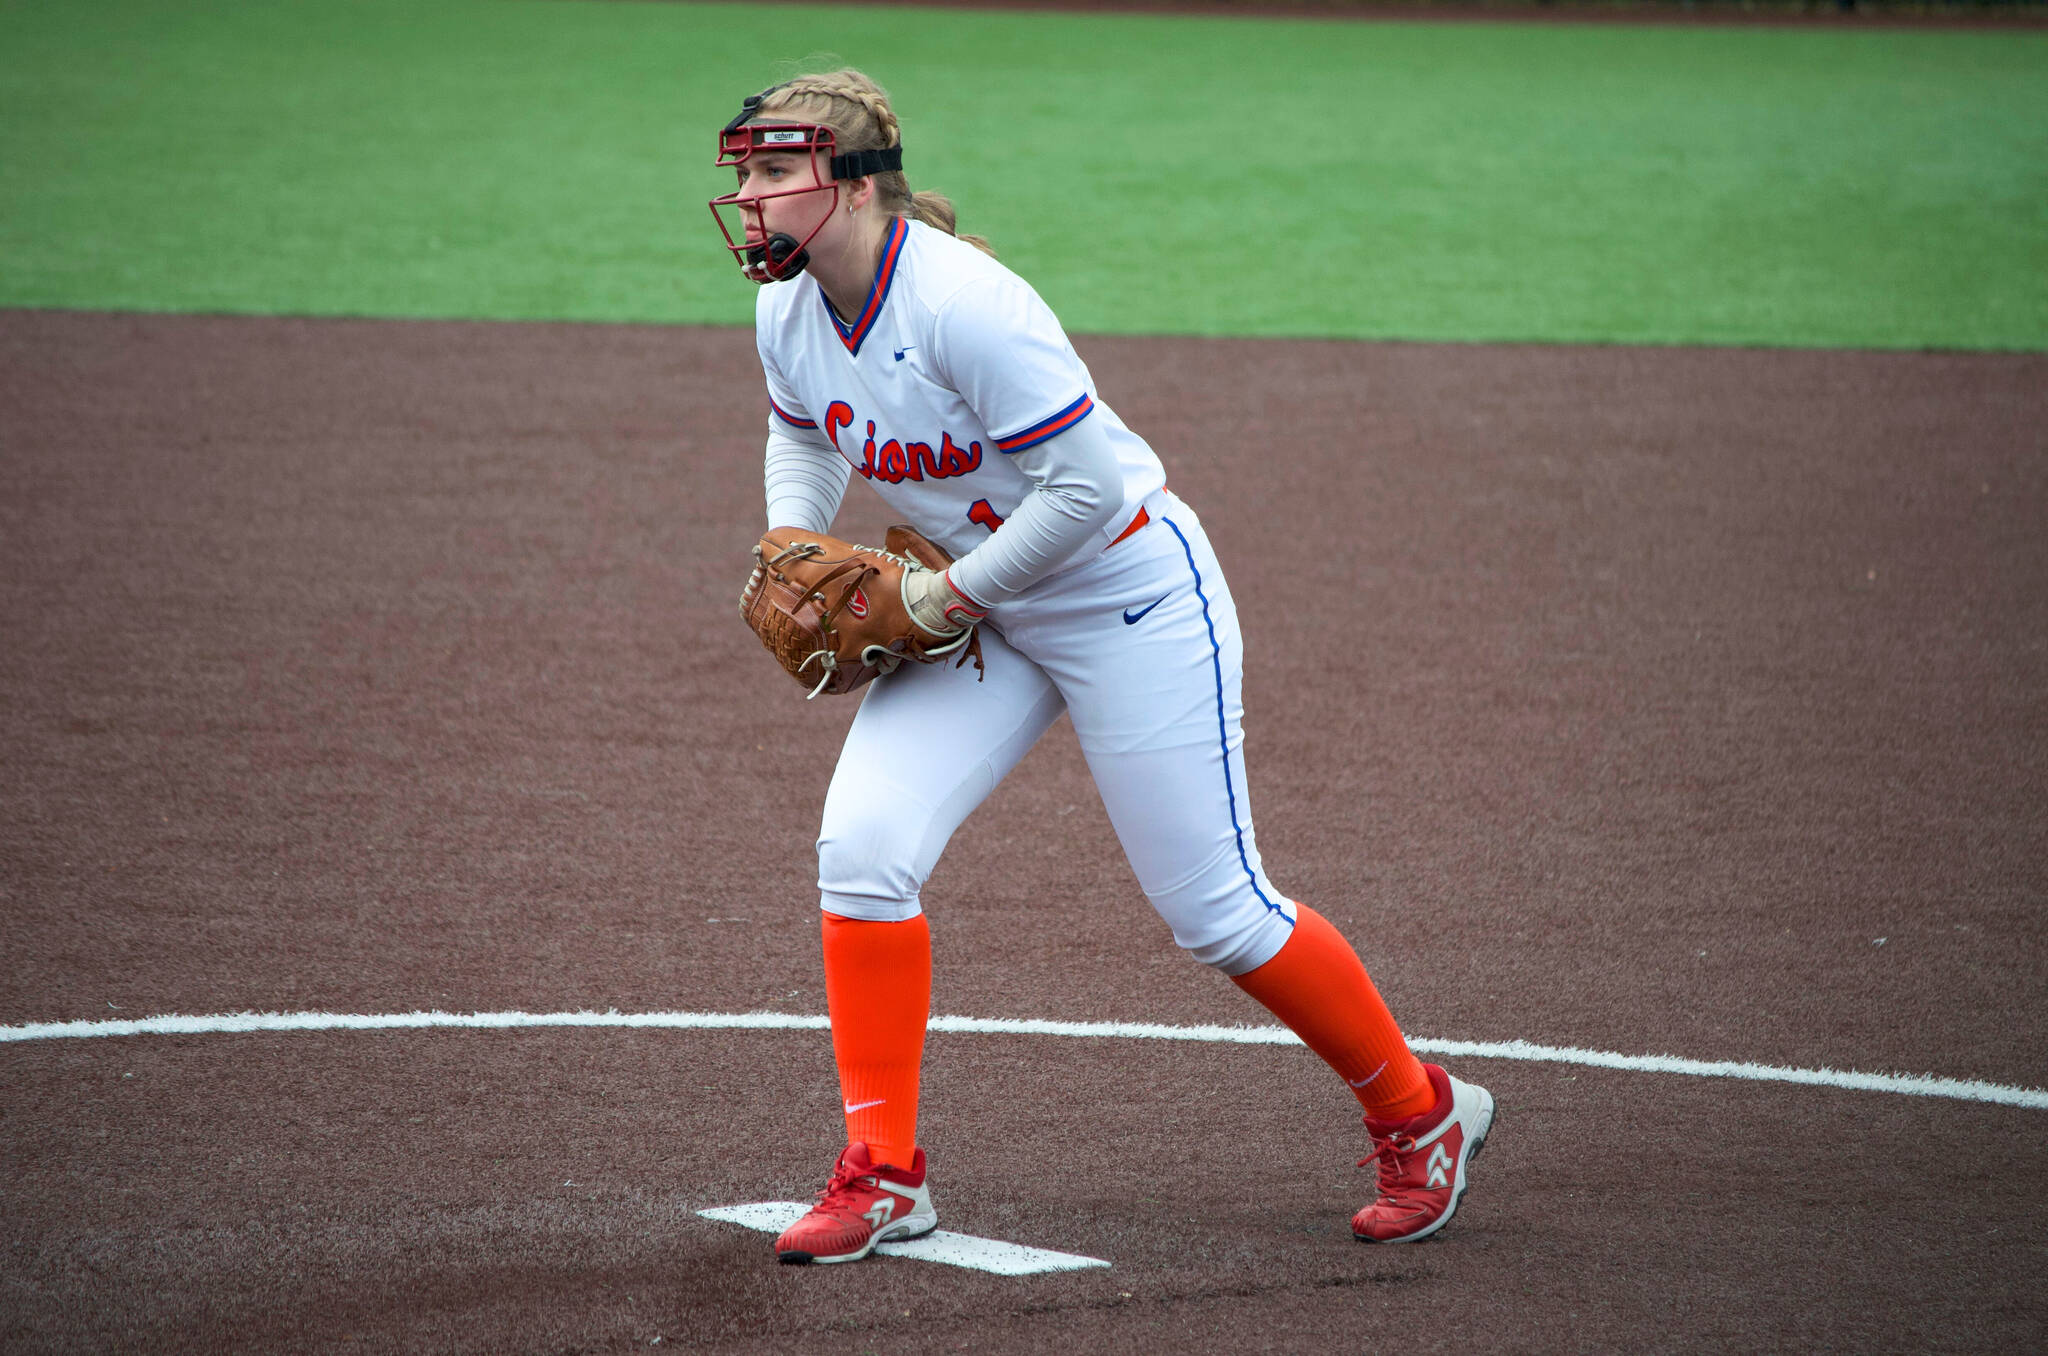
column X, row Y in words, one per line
column 1319, row 988
column 878, row 989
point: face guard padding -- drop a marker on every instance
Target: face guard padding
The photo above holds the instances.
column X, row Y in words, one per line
column 769, row 257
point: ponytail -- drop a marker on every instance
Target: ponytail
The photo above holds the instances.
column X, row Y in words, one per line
column 936, row 210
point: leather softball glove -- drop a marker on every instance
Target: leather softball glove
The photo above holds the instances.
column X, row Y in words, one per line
column 835, row 614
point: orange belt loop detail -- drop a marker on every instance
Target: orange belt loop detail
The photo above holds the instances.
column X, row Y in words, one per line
column 1144, row 517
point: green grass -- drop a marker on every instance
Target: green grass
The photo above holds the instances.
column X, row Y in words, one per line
column 518, row 159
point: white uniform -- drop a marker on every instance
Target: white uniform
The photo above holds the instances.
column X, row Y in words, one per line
column 959, row 398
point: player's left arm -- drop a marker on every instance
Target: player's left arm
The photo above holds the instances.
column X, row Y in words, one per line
column 1077, row 489
column 999, row 345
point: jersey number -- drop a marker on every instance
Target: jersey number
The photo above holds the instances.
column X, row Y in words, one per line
column 983, row 514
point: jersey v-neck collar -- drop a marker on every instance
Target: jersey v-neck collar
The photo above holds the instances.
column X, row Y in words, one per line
column 854, row 335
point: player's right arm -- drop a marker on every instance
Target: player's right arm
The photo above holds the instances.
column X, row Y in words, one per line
column 803, row 473
column 805, row 479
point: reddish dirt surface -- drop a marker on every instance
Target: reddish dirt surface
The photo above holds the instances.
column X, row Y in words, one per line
column 1691, row 702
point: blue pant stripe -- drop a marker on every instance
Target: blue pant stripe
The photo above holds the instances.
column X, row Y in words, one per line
column 1222, row 726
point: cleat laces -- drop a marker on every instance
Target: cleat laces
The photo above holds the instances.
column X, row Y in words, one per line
column 839, row 1198
column 1388, row 1154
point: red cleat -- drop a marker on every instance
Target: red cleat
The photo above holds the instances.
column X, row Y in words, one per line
column 865, row 1203
column 1422, row 1162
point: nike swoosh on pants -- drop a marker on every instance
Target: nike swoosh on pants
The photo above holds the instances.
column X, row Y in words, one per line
column 1133, row 618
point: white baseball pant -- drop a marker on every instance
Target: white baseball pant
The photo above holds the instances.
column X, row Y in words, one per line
column 1140, row 646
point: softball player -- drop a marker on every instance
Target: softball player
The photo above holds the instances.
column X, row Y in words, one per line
column 895, row 350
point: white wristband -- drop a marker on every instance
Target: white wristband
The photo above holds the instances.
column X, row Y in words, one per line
column 935, row 605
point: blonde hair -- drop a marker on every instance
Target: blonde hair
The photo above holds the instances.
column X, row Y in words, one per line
column 857, row 110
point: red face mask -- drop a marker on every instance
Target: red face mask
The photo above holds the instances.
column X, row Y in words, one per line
column 768, row 256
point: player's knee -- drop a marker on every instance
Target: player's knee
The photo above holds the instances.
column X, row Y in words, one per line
column 1242, row 946
column 869, row 864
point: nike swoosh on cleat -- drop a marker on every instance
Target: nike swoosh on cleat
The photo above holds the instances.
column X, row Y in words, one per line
column 1133, row 618
column 852, row 1107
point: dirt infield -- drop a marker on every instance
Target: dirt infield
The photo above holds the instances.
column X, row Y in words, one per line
column 1673, row 701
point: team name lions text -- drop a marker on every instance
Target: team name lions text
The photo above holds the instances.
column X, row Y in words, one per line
column 896, row 462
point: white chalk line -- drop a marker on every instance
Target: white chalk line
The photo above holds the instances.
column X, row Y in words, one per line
column 940, row 1245
column 1909, row 1085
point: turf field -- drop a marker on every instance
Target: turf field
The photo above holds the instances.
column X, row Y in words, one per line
column 1204, row 176
column 1666, row 717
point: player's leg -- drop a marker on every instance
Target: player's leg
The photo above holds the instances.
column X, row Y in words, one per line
column 927, row 746
column 1145, row 646
column 1157, row 704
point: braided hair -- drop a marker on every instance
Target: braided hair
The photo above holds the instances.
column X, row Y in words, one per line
column 857, row 110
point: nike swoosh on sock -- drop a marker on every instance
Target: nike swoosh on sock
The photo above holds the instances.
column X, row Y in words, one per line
column 1357, row 1084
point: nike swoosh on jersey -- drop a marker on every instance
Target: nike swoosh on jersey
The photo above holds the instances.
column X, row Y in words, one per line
column 905, row 349
column 1133, row 618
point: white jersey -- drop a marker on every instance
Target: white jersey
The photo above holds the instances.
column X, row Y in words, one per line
column 954, row 364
